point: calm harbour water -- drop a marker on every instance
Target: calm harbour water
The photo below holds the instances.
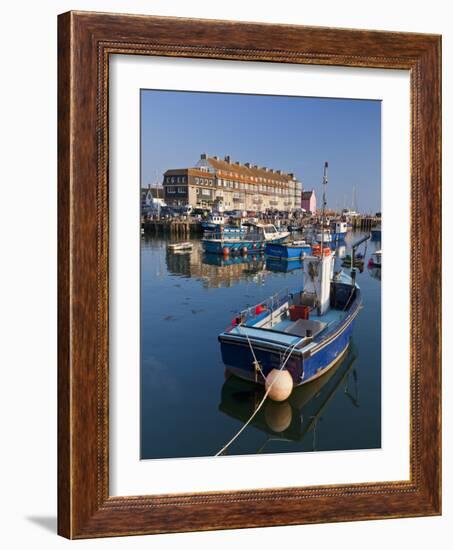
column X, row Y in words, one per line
column 189, row 405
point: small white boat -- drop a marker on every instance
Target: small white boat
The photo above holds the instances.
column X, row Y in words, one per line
column 180, row 246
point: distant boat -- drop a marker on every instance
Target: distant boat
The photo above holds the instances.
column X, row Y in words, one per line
column 253, row 240
column 338, row 230
column 308, row 329
column 290, row 251
column 215, row 225
column 213, row 221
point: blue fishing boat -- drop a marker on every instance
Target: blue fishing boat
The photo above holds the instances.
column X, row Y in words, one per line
column 303, row 332
column 254, row 240
column 292, row 251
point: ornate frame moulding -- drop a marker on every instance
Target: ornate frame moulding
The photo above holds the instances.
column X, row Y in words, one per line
column 85, row 41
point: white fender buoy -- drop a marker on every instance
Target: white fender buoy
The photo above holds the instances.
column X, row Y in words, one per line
column 280, row 383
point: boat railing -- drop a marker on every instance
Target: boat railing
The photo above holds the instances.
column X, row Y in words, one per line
column 264, row 308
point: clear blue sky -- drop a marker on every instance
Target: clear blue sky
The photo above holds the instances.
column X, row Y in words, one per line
column 293, row 134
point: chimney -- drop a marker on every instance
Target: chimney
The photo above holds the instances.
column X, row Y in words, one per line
column 237, row 163
column 203, row 156
column 291, row 175
column 247, row 164
column 278, row 171
column 215, row 157
column 227, row 158
column 255, row 166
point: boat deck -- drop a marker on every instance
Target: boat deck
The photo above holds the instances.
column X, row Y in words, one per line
column 288, row 333
column 316, row 324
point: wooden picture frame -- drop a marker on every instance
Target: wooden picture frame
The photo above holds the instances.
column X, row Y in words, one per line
column 85, row 42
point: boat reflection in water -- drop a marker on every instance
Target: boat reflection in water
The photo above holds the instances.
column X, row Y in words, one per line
column 213, row 270
column 277, row 265
column 293, row 419
column 375, row 272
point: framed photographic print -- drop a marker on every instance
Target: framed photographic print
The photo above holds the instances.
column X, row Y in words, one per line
column 232, row 352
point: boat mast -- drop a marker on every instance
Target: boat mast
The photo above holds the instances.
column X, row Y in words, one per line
column 323, row 218
column 324, row 203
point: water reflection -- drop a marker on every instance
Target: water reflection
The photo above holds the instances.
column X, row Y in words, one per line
column 187, row 299
column 298, row 416
column 213, row 270
column 375, row 272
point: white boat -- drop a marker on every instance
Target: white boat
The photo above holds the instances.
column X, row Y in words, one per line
column 270, row 233
column 180, row 246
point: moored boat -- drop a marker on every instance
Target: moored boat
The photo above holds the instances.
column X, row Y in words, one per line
column 304, row 332
column 213, row 221
column 338, row 230
column 290, row 251
column 253, row 240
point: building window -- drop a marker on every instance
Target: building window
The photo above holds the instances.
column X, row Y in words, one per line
column 181, row 189
column 170, row 190
column 197, row 181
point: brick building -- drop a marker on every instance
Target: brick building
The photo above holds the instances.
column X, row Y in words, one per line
column 222, row 183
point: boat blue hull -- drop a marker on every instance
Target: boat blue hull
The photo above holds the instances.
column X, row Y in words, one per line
column 338, row 237
column 289, row 253
column 222, row 246
column 304, row 364
column 213, row 246
column 239, row 359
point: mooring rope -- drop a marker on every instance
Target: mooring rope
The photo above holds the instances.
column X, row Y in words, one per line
column 256, row 363
column 255, row 412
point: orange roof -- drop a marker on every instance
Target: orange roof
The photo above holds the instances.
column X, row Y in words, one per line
column 242, row 171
